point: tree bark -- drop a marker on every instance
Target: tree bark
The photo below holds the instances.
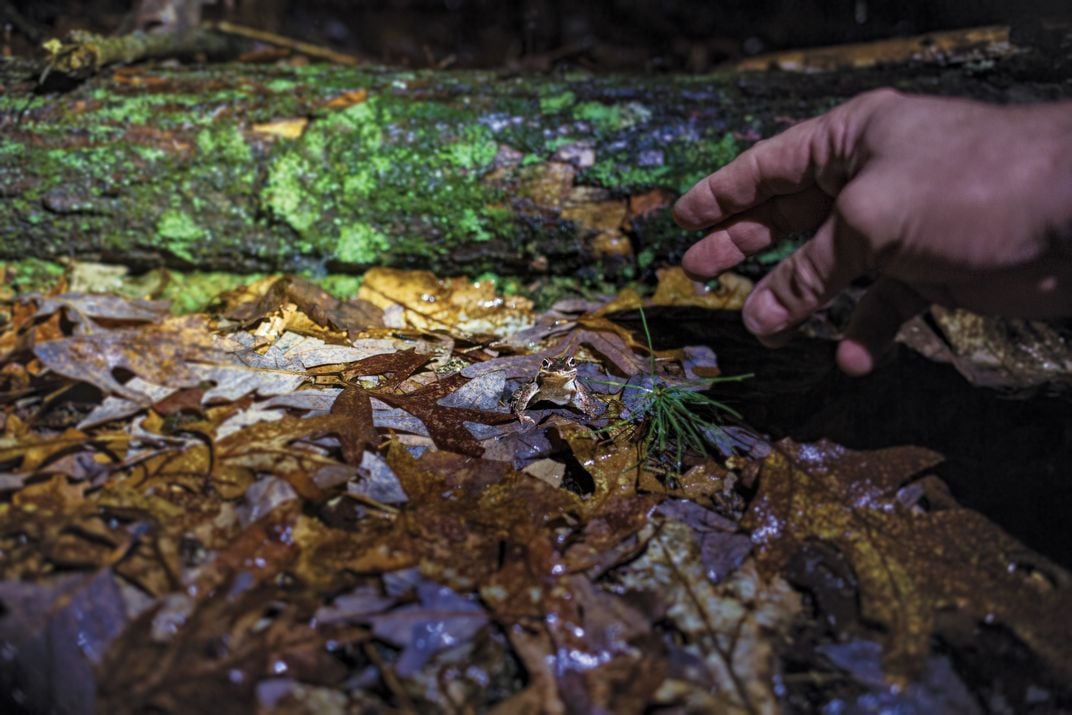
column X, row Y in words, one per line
column 254, row 168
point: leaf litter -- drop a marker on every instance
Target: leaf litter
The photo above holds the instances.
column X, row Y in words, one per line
column 296, row 503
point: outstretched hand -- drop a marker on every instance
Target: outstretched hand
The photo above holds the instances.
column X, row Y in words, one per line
column 941, row 200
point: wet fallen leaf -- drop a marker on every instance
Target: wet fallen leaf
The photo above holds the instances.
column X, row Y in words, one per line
column 911, row 563
column 446, row 425
column 730, row 627
column 1019, row 357
column 89, row 309
column 284, row 128
column 425, row 302
column 59, row 631
column 439, row 620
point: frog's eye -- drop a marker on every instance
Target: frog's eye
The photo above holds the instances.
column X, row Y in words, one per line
column 546, row 363
column 570, row 362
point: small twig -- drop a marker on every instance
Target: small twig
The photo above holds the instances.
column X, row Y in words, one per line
column 372, row 503
column 270, row 38
column 390, row 679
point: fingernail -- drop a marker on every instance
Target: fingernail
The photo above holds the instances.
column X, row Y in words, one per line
column 763, row 314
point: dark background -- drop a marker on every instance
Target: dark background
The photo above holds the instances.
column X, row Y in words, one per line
column 633, row 35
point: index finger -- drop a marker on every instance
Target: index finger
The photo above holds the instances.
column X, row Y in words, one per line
column 784, row 164
column 821, row 151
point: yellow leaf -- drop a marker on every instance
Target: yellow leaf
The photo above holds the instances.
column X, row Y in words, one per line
column 285, row 128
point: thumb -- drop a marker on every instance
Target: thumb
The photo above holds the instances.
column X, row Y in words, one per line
column 886, row 306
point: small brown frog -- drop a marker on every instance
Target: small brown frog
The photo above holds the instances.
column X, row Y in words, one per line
column 557, row 383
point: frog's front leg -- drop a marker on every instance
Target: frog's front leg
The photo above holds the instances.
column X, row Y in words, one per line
column 519, row 401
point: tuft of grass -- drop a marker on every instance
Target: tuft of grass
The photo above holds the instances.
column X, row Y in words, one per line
column 674, row 419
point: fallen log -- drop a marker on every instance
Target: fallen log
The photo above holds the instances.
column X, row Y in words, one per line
column 326, row 168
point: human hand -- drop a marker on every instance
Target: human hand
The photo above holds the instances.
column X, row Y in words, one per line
column 944, row 201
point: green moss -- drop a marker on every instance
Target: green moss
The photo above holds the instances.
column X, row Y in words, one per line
column 224, row 142
column 31, row 274
column 180, row 232
column 472, row 226
column 360, row 244
column 603, row 117
column 10, row 149
column 476, row 150
column 146, row 108
column 149, row 153
column 347, row 183
column 681, row 163
column 410, row 165
column 281, row 86
column 778, row 252
column 286, row 193
column 340, row 285
column 703, row 158
column 192, row 291
column 557, row 102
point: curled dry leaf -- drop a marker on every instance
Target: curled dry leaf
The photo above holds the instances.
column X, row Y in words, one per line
column 311, row 301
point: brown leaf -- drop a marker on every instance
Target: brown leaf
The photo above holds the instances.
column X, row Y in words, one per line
column 157, row 353
column 321, row 307
column 676, row 288
column 733, row 626
column 432, row 304
column 356, row 432
column 55, row 497
column 271, row 447
column 399, row 364
column 911, row 564
column 1020, row 357
column 34, row 452
column 446, row 425
column 58, row 631
column 90, row 309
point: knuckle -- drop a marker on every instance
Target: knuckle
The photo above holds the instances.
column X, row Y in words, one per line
column 861, row 208
column 880, row 96
column 807, row 280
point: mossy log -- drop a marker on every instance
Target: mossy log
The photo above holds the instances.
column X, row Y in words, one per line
column 326, row 168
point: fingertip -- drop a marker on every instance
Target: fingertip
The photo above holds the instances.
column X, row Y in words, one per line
column 764, row 315
column 875, row 322
column 854, row 358
column 676, row 212
column 710, row 256
column 686, row 217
